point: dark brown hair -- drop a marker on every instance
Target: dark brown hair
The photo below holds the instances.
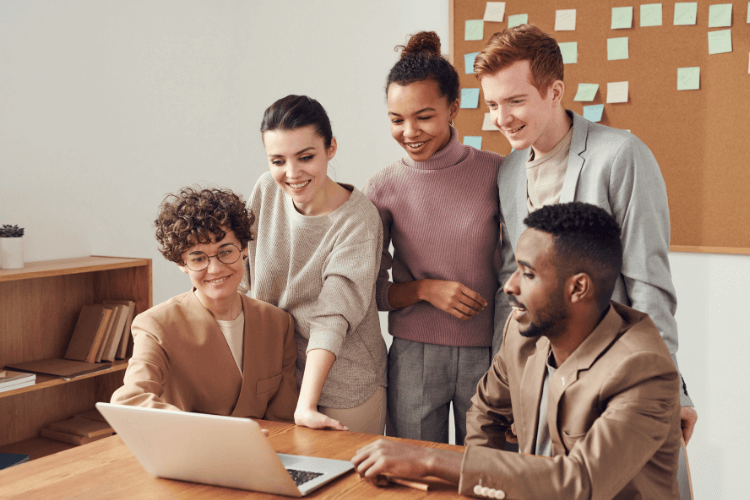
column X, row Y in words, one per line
column 524, row 42
column 193, row 216
column 421, row 60
column 295, row 111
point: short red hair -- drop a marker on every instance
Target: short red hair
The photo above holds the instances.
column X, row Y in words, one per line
column 524, row 42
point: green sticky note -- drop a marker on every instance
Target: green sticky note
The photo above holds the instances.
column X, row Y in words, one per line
column 720, row 15
column 475, row 141
column 569, row 52
column 617, row 48
column 586, row 91
column 517, row 20
column 622, row 18
column 593, row 113
column 469, row 62
column 688, row 78
column 474, row 29
column 469, row 98
column 748, row 12
column 650, row 15
column 685, row 13
column 719, row 41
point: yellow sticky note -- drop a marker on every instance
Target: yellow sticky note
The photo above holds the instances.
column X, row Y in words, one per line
column 617, row 92
column 494, row 12
column 565, row 20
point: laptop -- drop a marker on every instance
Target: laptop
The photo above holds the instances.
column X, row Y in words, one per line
column 211, row 449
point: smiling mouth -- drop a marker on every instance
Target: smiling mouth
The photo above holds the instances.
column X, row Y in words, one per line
column 299, row 185
column 217, row 280
column 513, row 131
column 415, row 145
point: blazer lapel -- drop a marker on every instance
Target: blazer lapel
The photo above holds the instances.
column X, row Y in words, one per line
column 531, row 394
column 575, row 160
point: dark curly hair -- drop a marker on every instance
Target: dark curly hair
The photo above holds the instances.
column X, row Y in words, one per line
column 193, row 216
column 295, row 111
column 421, row 60
column 586, row 239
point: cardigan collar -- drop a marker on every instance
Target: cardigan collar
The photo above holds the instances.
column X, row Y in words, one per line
column 452, row 154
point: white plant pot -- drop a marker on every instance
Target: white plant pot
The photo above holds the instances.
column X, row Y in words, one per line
column 11, row 253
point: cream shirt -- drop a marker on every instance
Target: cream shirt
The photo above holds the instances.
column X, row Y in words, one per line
column 545, row 175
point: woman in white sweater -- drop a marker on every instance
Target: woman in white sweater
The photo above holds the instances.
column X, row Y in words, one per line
column 316, row 255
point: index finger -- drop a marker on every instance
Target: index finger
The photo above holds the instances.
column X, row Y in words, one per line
column 473, row 296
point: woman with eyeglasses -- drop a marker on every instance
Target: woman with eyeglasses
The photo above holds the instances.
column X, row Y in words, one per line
column 211, row 349
column 317, row 255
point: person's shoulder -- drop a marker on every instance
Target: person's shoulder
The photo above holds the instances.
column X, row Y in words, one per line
column 385, row 180
column 258, row 308
column 360, row 219
column 485, row 158
column 602, row 137
column 639, row 334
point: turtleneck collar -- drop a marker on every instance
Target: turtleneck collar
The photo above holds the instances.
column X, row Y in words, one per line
column 452, row 154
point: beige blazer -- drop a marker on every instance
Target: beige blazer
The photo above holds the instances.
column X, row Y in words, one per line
column 613, row 416
column 181, row 361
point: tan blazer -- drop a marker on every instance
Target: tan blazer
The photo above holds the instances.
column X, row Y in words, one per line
column 613, row 416
column 181, row 361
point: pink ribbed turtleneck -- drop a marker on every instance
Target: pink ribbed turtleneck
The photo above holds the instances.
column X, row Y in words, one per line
column 442, row 217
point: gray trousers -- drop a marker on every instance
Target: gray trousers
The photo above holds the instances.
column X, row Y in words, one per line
column 423, row 380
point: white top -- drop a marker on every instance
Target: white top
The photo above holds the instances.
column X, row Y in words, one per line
column 545, row 175
column 234, row 332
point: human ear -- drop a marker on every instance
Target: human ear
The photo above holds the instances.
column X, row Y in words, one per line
column 453, row 109
column 557, row 89
column 184, row 269
column 580, row 287
column 332, row 149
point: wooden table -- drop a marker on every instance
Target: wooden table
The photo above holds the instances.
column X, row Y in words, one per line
column 107, row 469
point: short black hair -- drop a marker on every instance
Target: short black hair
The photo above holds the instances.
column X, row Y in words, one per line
column 586, row 239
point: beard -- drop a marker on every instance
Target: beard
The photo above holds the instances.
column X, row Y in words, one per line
column 549, row 317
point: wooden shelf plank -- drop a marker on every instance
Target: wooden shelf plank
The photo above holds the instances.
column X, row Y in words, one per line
column 45, row 381
column 62, row 267
column 36, row 447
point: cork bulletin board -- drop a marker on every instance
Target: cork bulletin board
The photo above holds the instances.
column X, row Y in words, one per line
column 701, row 138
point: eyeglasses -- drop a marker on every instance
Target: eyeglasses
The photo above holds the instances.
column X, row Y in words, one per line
column 198, row 261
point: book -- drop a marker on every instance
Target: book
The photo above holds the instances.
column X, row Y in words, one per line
column 83, row 427
column 113, row 342
column 70, row 438
column 12, row 386
column 85, row 332
column 59, row 367
column 12, row 377
column 107, row 332
column 126, row 333
column 11, row 459
column 92, row 415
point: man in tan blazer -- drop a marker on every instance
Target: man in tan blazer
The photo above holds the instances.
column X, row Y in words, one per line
column 589, row 383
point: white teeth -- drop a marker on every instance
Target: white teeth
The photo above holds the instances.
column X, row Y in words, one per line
column 415, row 145
column 300, row 185
column 218, row 280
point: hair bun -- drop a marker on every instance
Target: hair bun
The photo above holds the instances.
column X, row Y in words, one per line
column 424, row 42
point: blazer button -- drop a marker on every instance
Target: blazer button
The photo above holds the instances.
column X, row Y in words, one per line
column 499, row 494
column 486, row 492
column 477, row 490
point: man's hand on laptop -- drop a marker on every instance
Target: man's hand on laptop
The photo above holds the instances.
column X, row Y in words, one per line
column 408, row 461
column 315, row 420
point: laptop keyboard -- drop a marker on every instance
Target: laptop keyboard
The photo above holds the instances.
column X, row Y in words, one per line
column 302, row 476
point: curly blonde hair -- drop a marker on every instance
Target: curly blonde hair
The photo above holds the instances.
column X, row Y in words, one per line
column 195, row 215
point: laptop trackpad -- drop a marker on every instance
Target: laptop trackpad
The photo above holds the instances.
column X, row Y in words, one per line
column 289, row 460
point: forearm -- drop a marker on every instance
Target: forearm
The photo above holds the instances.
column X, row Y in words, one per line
column 317, row 366
column 404, row 294
column 445, row 464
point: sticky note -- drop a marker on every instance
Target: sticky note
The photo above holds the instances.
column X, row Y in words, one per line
column 494, row 12
column 518, row 20
column 688, row 78
column 565, row 20
column 569, row 52
column 469, row 98
column 487, row 123
column 617, row 48
column 617, row 92
column 586, row 91
column 720, row 15
column 685, row 13
column 594, row 112
column 469, row 62
column 475, row 141
column 748, row 12
column 719, row 41
column 474, row 29
column 622, row 18
column 650, row 14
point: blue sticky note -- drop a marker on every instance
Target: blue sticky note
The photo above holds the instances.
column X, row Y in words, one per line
column 622, row 18
column 474, row 29
column 720, row 15
column 469, row 98
column 594, row 112
column 475, row 141
column 688, row 78
column 469, row 62
column 685, row 13
column 617, row 48
column 650, row 14
column 569, row 52
column 719, row 41
column 518, row 20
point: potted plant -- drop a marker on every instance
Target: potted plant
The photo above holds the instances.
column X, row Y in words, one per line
column 11, row 247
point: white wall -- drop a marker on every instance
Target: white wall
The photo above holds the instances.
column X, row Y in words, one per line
column 105, row 106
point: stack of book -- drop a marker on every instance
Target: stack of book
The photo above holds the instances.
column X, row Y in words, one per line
column 11, row 459
column 10, row 380
column 81, row 429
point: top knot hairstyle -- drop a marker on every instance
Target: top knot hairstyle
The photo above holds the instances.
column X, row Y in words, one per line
column 193, row 216
column 586, row 239
column 295, row 111
column 421, row 60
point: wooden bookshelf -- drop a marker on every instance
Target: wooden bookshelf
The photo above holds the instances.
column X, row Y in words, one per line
column 39, row 306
